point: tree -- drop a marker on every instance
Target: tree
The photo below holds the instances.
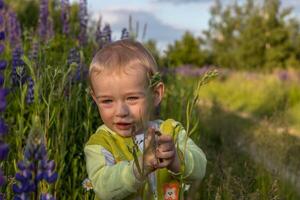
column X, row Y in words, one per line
column 185, row 51
column 278, row 43
column 252, row 35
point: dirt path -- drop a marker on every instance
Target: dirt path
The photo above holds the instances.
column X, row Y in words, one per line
column 276, row 147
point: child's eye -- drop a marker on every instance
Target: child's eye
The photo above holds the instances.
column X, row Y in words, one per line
column 106, row 101
column 134, row 98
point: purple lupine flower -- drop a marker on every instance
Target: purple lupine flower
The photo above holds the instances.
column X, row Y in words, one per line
column 1, row 20
column 73, row 57
column 283, row 75
column 3, row 128
column 35, row 167
column 98, row 31
column 33, row 55
column 2, row 178
column 3, row 94
column 25, row 184
column 2, row 35
column 1, row 4
column 79, row 70
column 30, row 91
column 18, row 74
column 50, row 29
column 1, row 80
column 46, row 171
column 107, row 33
column 188, row 70
column 4, row 148
column 103, row 37
column 124, row 34
column 2, row 47
column 3, row 64
column 14, row 28
column 65, row 15
column 83, row 18
column 46, row 196
column 43, row 19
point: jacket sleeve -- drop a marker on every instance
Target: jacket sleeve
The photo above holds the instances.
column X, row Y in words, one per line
column 194, row 158
column 115, row 181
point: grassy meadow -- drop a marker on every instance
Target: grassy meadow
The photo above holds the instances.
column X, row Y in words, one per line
column 246, row 122
column 251, row 155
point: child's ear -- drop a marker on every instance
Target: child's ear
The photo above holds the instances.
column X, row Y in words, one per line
column 158, row 92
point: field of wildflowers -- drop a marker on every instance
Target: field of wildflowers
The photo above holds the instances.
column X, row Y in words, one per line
column 47, row 115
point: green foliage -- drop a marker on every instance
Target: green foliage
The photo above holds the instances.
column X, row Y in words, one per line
column 261, row 95
column 186, row 51
column 252, row 36
column 28, row 14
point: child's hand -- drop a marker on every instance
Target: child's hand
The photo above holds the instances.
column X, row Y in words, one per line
column 166, row 153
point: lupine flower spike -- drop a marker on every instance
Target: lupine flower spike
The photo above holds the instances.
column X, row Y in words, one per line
column 124, row 34
column 103, row 37
column 99, row 32
column 65, row 15
column 14, row 30
column 30, row 91
column 4, row 148
column 43, row 19
column 50, row 29
column 107, row 33
column 18, row 74
column 83, row 17
column 35, row 167
column 34, row 52
column 78, row 71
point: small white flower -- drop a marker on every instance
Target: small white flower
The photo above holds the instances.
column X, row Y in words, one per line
column 87, row 184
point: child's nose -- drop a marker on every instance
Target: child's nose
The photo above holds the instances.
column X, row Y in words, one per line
column 122, row 109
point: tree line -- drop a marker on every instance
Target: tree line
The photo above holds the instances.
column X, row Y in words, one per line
column 254, row 35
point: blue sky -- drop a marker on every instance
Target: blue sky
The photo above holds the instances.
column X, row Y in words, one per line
column 166, row 20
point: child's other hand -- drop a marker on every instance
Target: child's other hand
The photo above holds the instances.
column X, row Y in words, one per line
column 166, row 153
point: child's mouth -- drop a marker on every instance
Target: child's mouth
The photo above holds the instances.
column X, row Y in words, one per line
column 123, row 126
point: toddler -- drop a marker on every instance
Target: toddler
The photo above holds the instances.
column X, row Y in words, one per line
column 133, row 155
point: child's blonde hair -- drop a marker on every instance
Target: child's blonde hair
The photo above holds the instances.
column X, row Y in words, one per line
column 120, row 55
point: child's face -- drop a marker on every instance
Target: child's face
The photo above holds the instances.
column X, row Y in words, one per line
column 124, row 100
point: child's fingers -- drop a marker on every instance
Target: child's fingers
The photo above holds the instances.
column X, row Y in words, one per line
column 165, row 139
column 165, row 155
column 166, row 147
column 165, row 143
column 164, row 163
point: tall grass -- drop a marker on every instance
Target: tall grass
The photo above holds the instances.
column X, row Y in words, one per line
column 232, row 172
column 261, row 95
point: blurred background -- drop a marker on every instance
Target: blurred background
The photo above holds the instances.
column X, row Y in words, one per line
column 231, row 69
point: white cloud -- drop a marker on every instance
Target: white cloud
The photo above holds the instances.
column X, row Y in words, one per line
column 156, row 29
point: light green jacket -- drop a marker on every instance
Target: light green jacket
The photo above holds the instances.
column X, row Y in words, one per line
column 114, row 179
